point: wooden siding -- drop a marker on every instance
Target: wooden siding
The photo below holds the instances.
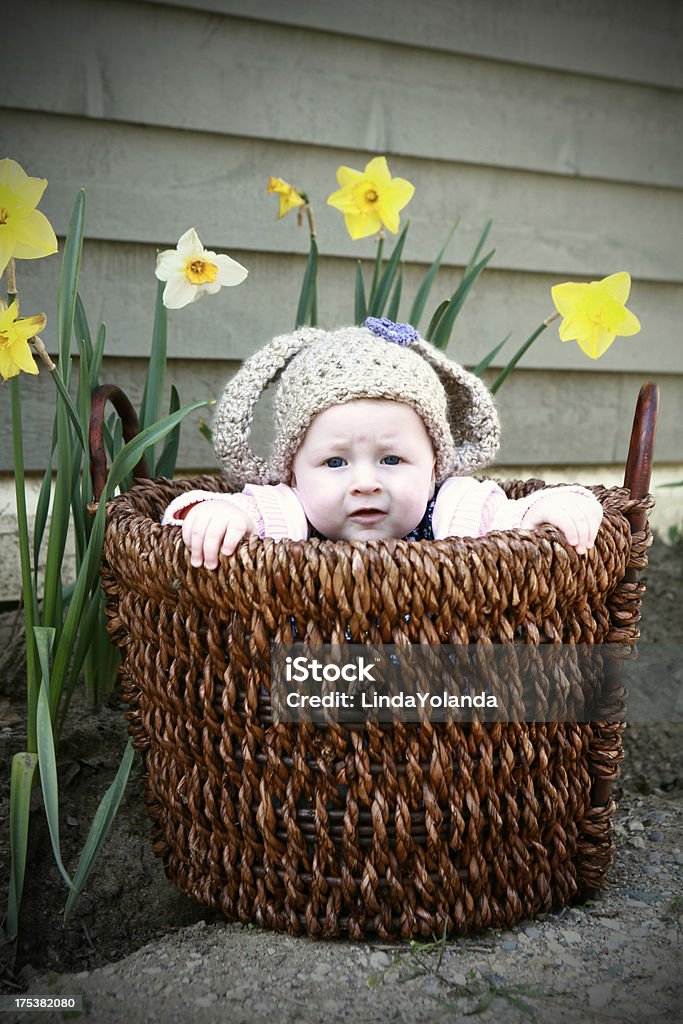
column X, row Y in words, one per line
column 561, row 121
column 587, row 416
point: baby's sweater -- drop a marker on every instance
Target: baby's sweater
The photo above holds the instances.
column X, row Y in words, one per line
column 464, row 507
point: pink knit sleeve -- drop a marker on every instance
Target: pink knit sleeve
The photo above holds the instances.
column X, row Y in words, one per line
column 275, row 510
column 465, row 507
column 180, row 506
column 510, row 515
column 281, row 511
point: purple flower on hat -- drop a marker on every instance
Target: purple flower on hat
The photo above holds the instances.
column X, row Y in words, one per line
column 400, row 334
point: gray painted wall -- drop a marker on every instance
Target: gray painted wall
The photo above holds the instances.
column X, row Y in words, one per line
column 561, row 121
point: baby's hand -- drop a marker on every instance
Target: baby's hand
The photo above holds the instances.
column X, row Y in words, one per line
column 577, row 515
column 211, row 527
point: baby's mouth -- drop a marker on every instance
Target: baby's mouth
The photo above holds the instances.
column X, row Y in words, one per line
column 368, row 515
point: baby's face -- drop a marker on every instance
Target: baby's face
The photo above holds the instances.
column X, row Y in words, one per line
column 365, row 470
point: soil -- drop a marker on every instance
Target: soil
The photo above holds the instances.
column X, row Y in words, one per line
column 136, row 948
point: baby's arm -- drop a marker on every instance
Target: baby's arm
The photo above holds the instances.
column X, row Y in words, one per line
column 471, row 508
column 213, row 527
column 214, row 522
column 577, row 515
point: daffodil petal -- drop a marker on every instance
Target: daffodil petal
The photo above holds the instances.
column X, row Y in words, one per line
column 347, row 176
column 179, row 292
column 360, row 225
column 8, row 315
column 378, row 171
column 169, row 262
column 22, row 330
column 629, row 325
column 34, row 237
column 28, row 190
column 343, row 200
column 567, row 296
column 618, row 286
column 596, row 343
column 189, row 245
column 569, row 329
column 6, row 247
column 398, row 193
column 8, row 368
column 390, row 218
column 230, row 272
column 20, row 354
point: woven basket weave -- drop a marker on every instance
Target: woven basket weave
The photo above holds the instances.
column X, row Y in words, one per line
column 387, row 830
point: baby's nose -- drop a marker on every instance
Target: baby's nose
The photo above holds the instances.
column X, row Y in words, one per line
column 365, row 480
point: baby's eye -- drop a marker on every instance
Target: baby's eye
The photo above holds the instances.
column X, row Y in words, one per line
column 391, row 460
column 334, row 462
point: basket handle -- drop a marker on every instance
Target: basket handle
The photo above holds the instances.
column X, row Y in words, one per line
column 637, row 479
column 641, row 447
column 131, row 427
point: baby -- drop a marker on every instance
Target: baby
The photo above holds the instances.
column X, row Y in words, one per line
column 374, row 431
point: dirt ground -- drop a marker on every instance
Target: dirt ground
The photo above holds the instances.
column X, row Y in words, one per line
column 134, row 937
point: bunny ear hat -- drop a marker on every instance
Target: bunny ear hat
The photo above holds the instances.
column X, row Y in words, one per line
column 318, row 369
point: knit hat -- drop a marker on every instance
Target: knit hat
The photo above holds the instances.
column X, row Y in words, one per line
column 318, row 369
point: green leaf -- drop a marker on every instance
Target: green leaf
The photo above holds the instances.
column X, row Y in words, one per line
column 359, row 305
column 456, row 302
column 420, row 300
column 376, row 273
column 81, row 326
column 68, row 285
column 23, row 768
column 166, row 464
column 123, row 464
column 308, row 287
column 438, row 313
column 59, row 519
column 86, row 631
column 392, row 312
column 29, row 591
column 78, row 513
column 47, row 761
column 70, row 408
column 381, row 293
column 99, row 830
column 150, row 409
column 480, row 245
column 96, row 362
column 205, row 431
column 42, row 509
column 502, row 377
column 482, row 366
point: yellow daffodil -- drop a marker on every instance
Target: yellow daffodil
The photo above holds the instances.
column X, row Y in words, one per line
column 15, row 354
column 594, row 314
column 289, row 196
column 25, row 233
column 370, row 199
column 193, row 271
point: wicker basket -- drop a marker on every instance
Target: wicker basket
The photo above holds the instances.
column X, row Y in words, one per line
column 387, row 830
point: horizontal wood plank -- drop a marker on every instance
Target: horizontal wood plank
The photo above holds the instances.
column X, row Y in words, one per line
column 623, row 39
column 150, row 184
column 548, row 418
column 118, row 287
column 287, row 84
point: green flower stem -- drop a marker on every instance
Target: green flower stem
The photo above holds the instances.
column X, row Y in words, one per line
column 29, row 594
column 502, row 377
column 377, row 271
